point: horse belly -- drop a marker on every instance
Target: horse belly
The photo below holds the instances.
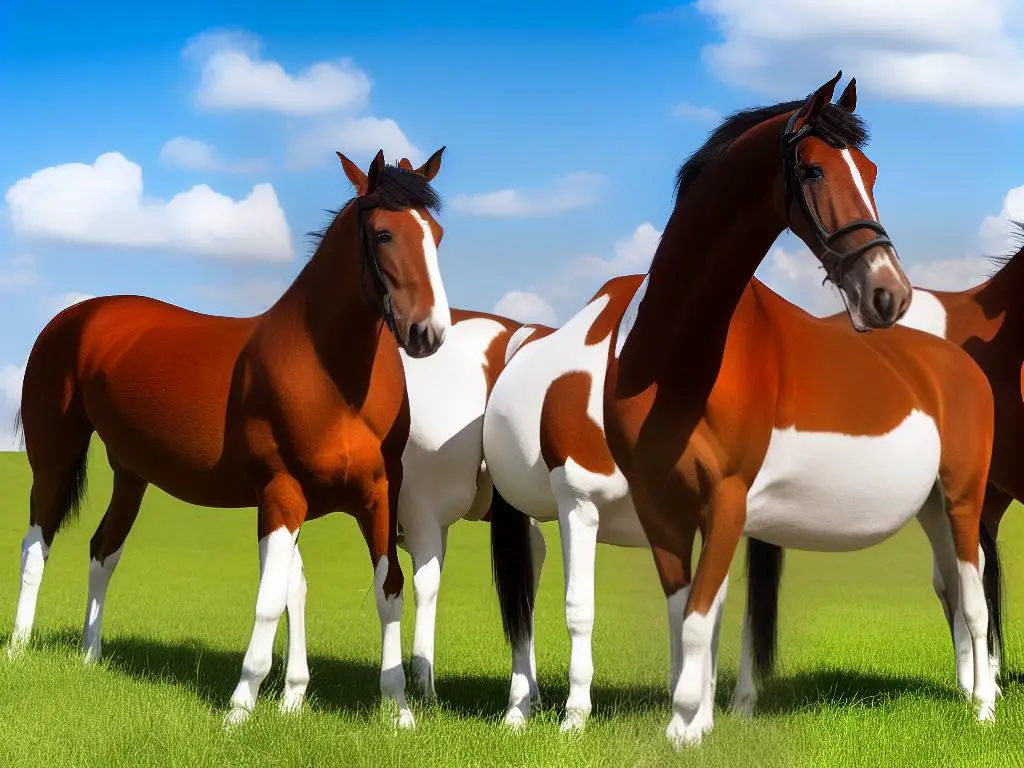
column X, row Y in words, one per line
column 832, row 492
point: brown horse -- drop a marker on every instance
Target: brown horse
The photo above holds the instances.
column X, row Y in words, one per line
column 689, row 400
column 987, row 321
column 300, row 411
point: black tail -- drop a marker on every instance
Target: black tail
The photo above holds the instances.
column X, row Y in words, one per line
column 992, row 580
column 75, row 493
column 512, row 565
column 764, row 574
column 18, row 432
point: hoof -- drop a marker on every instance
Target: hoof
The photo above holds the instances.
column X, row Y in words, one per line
column 236, row 717
column 515, row 720
column 682, row 736
column 743, row 706
column 15, row 649
column 405, row 722
column 986, row 713
column 422, row 673
column 291, row 703
column 575, row 720
column 91, row 657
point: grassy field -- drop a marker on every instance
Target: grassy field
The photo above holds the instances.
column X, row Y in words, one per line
column 866, row 676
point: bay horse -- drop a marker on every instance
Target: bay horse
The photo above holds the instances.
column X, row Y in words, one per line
column 299, row 411
column 987, row 321
column 444, row 478
column 690, row 399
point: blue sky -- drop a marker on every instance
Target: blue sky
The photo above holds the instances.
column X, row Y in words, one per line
column 576, row 114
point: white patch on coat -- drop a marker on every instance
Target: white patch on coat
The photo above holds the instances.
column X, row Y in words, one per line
column 926, row 313
column 827, row 491
column 629, row 316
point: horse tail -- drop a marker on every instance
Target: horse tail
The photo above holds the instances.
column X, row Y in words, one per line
column 512, row 566
column 992, row 581
column 78, row 483
column 764, row 574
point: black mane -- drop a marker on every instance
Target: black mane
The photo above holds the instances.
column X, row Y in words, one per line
column 1000, row 261
column 836, row 123
column 399, row 190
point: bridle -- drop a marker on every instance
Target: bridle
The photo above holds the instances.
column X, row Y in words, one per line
column 836, row 264
column 368, row 259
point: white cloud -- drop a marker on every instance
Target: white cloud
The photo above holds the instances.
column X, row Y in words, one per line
column 11, row 377
column 18, row 273
column 354, row 137
column 195, row 155
column 57, row 304
column 586, row 273
column 526, row 307
column 568, row 193
column 952, row 52
column 797, row 276
column 235, row 76
column 248, row 295
column 580, row 277
column 693, row 112
column 998, row 234
column 103, row 205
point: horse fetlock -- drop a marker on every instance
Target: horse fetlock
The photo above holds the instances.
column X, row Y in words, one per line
column 575, row 720
column 422, row 671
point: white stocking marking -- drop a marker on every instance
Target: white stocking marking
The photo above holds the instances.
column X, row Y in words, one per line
column 296, row 676
column 99, row 580
column 34, row 552
column 392, row 675
column 276, row 552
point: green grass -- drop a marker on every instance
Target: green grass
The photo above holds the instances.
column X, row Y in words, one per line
column 866, row 675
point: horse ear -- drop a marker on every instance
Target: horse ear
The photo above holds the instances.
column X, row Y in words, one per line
column 848, row 100
column 404, row 164
column 374, row 174
column 430, row 168
column 354, row 174
column 816, row 102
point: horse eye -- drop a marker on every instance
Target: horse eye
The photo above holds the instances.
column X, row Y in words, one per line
column 811, row 172
column 383, row 237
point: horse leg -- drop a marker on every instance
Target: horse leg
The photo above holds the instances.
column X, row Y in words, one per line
column 425, row 541
column 105, row 552
column 744, row 698
column 379, row 524
column 282, row 511
column 577, row 526
column 538, row 549
column 946, row 583
column 296, row 677
column 964, row 513
column 716, row 634
column 58, row 485
column 997, row 502
column 692, row 700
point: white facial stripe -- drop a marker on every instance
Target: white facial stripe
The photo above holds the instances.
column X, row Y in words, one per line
column 858, row 182
column 440, row 313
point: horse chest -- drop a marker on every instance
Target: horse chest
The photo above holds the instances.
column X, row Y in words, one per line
column 835, row 492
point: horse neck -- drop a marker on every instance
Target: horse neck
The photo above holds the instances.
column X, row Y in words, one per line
column 713, row 242
column 1001, row 292
column 326, row 302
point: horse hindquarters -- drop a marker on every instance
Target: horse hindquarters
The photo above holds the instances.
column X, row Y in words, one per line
column 57, row 432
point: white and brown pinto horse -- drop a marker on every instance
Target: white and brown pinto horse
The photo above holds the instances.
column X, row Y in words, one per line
column 300, row 411
column 690, row 400
column 987, row 321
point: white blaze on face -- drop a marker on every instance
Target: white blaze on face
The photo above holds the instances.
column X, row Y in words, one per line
column 882, row 258
column 440, row 316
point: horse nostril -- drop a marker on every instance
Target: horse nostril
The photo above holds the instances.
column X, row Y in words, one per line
column 883, row 304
